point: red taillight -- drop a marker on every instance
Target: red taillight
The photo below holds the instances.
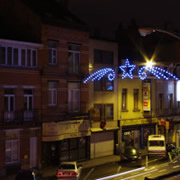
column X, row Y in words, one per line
column 74, row 174
column 59, row 174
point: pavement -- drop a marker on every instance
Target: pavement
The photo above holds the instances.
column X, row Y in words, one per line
column 51, row 171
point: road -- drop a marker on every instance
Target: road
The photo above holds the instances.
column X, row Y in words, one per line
column 116, row 171
column 160, row 168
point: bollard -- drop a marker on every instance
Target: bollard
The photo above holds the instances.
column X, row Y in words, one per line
column 170, row 157
column 147, row 161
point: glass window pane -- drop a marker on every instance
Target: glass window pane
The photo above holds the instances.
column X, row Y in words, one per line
column 23, row 57
column 109, row 85
column 28, row 57
column 98, row 85
column 34, row 58
column 11, row 103
column 15, row 56
column 30, row 103
column 9, row 55
column 6, row 104
column 109, row 111
column 25, row 103
column 2, row 55
column 98, row 57
column 74, row 47
column 124, row 99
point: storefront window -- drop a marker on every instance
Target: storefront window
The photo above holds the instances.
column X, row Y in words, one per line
column 73, row 143
column 64, row 145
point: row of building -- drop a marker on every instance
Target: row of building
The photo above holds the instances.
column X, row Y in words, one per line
column 48, row 114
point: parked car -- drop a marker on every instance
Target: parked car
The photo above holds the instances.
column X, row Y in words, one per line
column 70, row 170
column 132, row 156
column 28, row 174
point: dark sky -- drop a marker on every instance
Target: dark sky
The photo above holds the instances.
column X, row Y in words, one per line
column 107, row 14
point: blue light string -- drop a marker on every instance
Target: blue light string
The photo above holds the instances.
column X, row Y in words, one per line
column 124, row 69
column 157, row 72
column 97, row 75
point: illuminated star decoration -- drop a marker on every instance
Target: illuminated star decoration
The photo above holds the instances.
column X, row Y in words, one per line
column 127, row 69
column 97, row 75
column 157, row 72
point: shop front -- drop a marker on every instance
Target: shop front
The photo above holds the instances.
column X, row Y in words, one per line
column 65, row 141
column 135, row 132
column 103, row 142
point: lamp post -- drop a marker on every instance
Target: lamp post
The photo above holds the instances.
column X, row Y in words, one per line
column 147, row 31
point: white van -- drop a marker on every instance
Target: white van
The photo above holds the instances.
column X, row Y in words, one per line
column 156, row 145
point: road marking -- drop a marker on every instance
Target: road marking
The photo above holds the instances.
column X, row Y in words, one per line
column 162, row 170
column 148, row 169
column 177, row 166
column 153, row 160
column 175, row 161
column 120, row 174
column 89, row 173
column 140, row 174
column 164, row 165
column 118, row 169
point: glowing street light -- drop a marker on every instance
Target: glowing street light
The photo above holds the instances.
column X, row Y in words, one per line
column 150, row 64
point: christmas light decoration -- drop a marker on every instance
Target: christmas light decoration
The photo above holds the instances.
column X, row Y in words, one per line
column 157, row 72
column 97, row 75
column 127, row 69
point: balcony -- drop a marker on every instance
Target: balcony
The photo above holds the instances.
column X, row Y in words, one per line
column 19, row 118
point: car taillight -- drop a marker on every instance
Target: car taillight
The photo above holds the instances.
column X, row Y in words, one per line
column 74, row 174
column 59, row 174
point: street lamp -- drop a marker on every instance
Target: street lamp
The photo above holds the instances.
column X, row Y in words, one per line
column 147, row 31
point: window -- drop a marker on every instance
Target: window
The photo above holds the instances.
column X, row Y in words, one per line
column 170, row 99
column 12, row 56
column 161, row 101
column 103, row 85
column 103, row 57
column 74, row 97
column 103, row 112
column 9, row 104
column 28, row 104
column 52, row 93
column 74, row 58
column 52, row 52
column 12, row 147
column 124, row 100
column 136, row 99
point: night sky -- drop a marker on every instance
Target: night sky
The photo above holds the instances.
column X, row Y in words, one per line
column 107, row 14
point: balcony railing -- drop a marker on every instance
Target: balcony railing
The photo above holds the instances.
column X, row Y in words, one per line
column 19, row 117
